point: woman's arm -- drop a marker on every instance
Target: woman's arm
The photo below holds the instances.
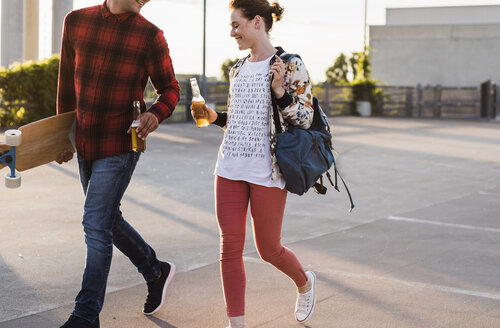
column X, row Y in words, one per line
column 296, row 104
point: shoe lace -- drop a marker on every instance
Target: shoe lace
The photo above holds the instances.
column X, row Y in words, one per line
column 151, row 292
column 303, row 301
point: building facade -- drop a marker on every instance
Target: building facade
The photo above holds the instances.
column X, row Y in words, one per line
column 19, row 39
column 448, row 46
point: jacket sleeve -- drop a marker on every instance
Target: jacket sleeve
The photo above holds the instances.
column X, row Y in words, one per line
column 222, row 117
column 161, row 72
column 221, row 120
column 66, row 94
column 296, row 104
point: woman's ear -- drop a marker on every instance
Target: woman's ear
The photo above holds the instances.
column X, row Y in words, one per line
column 258, row 21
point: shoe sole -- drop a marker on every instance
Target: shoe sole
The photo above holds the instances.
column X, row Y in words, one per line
column 314, row 301
column 171, row 275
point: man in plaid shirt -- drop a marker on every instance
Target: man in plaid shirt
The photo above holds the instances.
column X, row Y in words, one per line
column 108, row 54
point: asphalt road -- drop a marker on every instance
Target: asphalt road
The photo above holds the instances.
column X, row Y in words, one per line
column 421, row 248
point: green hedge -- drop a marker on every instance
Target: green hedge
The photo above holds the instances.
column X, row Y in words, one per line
column 28, row 91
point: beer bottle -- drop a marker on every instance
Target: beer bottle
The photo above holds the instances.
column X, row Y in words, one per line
column 138, row 145
column 198, row 104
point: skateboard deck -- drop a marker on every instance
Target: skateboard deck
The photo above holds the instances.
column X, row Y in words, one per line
column 42, row 141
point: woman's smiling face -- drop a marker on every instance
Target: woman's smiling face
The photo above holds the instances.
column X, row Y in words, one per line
column 242, row 30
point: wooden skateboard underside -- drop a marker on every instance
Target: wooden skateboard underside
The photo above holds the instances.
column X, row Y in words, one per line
column 42, row 141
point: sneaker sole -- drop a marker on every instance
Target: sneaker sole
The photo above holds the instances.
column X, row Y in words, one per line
column 171, row 275
column 314, row 301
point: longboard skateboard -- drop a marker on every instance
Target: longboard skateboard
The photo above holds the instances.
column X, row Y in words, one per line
column 41, row 142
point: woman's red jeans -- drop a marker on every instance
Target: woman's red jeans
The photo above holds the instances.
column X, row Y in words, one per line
column 267, row 206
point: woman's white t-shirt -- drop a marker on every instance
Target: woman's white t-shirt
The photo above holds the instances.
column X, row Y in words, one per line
column 244, row 153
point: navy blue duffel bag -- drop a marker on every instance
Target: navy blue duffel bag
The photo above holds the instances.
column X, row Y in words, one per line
column 304, row 155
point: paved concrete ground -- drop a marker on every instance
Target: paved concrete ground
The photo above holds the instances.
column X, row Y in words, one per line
column 421, row 249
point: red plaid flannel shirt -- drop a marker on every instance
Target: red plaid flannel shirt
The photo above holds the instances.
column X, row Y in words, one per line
column 106, row 61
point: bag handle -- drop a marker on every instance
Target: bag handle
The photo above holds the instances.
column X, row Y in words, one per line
column 276, row 116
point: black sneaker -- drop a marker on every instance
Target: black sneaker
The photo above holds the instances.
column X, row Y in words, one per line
column 157, row 289
column 77, row 322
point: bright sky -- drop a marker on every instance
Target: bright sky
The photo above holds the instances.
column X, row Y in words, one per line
column 318, row 30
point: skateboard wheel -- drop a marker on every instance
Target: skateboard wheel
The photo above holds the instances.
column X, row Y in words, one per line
column 13, row 138
column 12, row 182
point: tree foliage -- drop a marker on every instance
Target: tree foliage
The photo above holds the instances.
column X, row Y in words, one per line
column 364, row 70
column 356, row 72
column 344, row 69
column 337, row 74
column 226, row 68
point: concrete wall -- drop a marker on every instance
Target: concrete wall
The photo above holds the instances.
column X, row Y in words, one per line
column 31, row 27
column 443, row 15
column 59, row 10
column 19, row 40
column 12, row 32
column 449, row 55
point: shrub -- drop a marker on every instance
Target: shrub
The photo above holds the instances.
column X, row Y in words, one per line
column 363, row 89
column 366, row 90
column 28, row 91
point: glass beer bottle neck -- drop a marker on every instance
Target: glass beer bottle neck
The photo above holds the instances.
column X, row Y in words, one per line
column 198, row 98
column 196, row 91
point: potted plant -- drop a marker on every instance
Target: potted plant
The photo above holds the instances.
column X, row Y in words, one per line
column 363, row 95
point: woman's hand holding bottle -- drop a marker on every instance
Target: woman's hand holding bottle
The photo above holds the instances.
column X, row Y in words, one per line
column 210, row 114
column 202, row 114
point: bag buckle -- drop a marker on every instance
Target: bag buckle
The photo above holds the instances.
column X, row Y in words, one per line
column 319, row 188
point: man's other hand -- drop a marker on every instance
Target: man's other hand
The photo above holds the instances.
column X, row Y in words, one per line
column 65, row 156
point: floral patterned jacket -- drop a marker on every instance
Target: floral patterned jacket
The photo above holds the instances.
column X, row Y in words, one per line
column 295, row 107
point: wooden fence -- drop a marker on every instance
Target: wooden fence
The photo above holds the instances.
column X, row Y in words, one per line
column 397, row 101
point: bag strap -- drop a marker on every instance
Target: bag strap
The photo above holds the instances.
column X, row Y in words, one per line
column 320, row 188
column 286, row 57
column 276, row 115
column 337, row 173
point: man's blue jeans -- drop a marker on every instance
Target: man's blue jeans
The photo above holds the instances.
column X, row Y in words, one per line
column 104, row 182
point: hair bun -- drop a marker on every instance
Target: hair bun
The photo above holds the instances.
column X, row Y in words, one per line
column 277, row 11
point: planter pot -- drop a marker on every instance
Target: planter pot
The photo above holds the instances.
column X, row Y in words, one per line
column 364, row 108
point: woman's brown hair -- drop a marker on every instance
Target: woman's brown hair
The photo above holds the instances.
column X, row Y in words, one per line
column 270, row 12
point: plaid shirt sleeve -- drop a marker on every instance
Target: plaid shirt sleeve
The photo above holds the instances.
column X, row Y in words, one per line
column 161, row 72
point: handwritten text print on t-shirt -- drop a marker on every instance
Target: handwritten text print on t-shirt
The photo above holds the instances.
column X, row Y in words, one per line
column 250, row 101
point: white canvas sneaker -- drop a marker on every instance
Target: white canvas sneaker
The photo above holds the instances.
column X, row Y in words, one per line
column 306, row 302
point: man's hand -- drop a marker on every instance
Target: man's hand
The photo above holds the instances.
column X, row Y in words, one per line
column 65, row 156
column 148, row 124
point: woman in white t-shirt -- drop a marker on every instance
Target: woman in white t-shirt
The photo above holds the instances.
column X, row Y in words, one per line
column 247, row 170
